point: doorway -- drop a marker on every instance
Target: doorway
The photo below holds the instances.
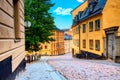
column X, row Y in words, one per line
column 111, row 46
column 110, row 42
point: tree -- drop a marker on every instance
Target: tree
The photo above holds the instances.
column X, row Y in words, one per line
column 42, row 23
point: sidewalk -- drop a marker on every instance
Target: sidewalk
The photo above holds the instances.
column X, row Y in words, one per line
column 39, row 70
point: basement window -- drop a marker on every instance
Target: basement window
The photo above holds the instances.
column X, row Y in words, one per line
column 16, row 20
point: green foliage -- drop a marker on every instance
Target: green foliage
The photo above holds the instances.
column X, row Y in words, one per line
column 42, row 23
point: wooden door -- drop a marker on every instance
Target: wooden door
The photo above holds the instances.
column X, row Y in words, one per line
column 111, row 42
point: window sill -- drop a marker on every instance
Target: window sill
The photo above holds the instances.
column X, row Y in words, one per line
column 91, row 48
column 17, row 40
column 97, row 50
column 91, row 31
column 97, row 29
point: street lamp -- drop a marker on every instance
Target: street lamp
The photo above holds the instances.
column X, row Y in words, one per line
column 27, row 24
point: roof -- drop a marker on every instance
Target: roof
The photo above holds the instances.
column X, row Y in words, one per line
column 99, row 5
column 65, row 29
column 58, row 29
column 67, row 37
column 77, row 7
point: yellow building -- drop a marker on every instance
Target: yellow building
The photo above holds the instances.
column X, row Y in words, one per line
column 55, row 47
column 96, row 29
column 12, row 42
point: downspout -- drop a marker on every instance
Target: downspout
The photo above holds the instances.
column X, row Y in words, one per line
column 79, row 39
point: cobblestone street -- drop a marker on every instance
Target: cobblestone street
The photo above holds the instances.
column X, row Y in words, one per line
column 71, row 69
column 39, row 70
column 80, row 69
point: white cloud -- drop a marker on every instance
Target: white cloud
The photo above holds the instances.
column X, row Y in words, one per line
column 62, row 11
column 80, row 1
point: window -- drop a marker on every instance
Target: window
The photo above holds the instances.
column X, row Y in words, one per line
column 16, row 19
column 84, row 28
column 97, row 24
column 97, row 45
column 76, row 18
column 45, row 46
column 91, row 44
column 79, row 14
column 41, row 47
column 91, row 8
column 76, row 42
column 90, row 26
column 84, row 43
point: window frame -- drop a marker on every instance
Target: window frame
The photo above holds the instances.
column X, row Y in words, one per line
column 90, row 7
column 84, row 43
column 97, row 24
column 97, row 47
column 91, row 27
column 91, row 47
column 84, row 28
column 46, row 47
column 16, row 12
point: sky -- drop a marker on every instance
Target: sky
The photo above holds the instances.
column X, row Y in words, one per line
column 61, row 12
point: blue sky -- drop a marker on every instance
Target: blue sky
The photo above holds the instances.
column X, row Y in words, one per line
column 61, row 12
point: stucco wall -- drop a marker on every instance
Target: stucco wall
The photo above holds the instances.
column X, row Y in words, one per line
column 55, row 47
column 94, row 35
column 111, row 14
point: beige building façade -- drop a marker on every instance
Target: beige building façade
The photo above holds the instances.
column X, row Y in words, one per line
column 12, row 42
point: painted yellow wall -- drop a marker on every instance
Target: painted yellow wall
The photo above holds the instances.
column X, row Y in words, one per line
column 44, row 51
column 55, row 47
column 111, row 14
column 75, row 37
column 81, row 7
column 95, row 35
column 109, row 17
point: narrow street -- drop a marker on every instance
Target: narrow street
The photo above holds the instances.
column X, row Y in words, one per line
column 71, row 69
column 80, row 69
column 39, row 70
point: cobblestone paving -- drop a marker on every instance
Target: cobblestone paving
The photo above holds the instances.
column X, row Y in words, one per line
column 80, row 69
column 39, row 70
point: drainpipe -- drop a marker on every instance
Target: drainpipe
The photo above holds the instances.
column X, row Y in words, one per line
column 79, row 39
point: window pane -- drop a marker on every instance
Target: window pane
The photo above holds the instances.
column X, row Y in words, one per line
column 84, row 28
column 91, row 8
column 97, row 24
column 46, row 47
column 97, row 45
column 90, row 26
column 91, row 44
column 84, row 43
